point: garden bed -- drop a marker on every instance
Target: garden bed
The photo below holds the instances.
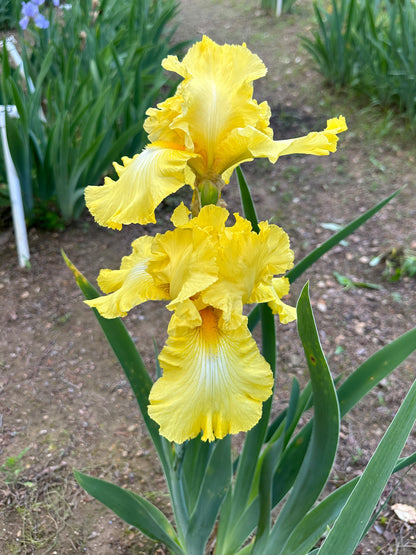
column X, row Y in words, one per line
column 63, row 396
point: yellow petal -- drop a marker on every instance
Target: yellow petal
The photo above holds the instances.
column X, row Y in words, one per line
column 180, row 216
column 211, row 218
column 129, row 286
column 286, row 312
column 242, row 145
column 247, row 262
column 158, row 122
column 144, row 181
column 184, row 260
column 217, row 98
column 214, row 382
column 318, row 143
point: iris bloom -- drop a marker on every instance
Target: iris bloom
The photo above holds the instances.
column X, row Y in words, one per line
column 199, row 135
column 30, row 10
column 214, row 377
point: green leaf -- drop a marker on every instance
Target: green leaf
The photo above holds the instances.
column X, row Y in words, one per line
column 405, row 461
column 321, row 451
column 315, row 523
column 248, row 205
column 195, row 461
column 215, row 483
column 133, row 509
column 238, row 530
column 351, row 523
column 316, row 254
column 303, row 403
column 355, row 387
column 271, row 458
column 268, row 467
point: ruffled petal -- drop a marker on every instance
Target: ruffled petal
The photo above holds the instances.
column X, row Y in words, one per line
column 318, row 143
column 211, row 218
column 158, row 123
column 217, row 97
column 129, row 286
column 184, row 260
column 247, row 262
column 144, row 181
column 286, row 312
column 214, row 382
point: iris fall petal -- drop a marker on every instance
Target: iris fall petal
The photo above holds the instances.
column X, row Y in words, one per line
column 144, row 181
column 213, row 382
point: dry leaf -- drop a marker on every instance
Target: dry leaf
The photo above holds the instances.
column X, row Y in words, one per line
column 406, row 513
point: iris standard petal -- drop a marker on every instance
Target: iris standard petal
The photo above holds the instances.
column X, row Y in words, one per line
column 158, row 122
column 247, row 263
column 217, row 96
column 184, row 260
column 129, row 286
column 144, row 181
column 213, row 381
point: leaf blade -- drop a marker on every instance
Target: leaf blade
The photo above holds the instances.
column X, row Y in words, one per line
column 351, row 523
column 321, row 451
column 133, row 509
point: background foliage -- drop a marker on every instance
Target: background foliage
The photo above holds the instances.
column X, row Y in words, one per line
column 95, row 72
column 369, row 46
column 9, row 10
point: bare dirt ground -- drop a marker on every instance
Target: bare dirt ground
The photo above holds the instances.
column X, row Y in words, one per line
column 63, row 397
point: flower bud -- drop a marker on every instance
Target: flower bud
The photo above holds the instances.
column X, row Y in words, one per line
column 208, row 192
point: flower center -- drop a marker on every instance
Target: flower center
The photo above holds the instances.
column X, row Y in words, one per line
column 209, row 326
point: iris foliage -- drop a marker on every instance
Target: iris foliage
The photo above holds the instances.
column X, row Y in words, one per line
column 95, row 70
column 369, row 46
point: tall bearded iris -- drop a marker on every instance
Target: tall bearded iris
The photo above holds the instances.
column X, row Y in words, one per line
column 215, row 378
column 198, row 136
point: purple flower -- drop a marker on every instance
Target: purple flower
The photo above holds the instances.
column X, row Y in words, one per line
column 30, row 10
column 41, row 22
column 55, row 3
column 24, row 22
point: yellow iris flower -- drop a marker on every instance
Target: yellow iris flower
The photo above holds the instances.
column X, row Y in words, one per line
column 197, row 137
column 214, row 377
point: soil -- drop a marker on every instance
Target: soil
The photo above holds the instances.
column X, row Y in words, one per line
column 64, row 401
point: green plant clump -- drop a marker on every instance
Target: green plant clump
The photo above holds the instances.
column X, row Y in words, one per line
column 9, row 10
column 369, row 46
column 94, row 70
